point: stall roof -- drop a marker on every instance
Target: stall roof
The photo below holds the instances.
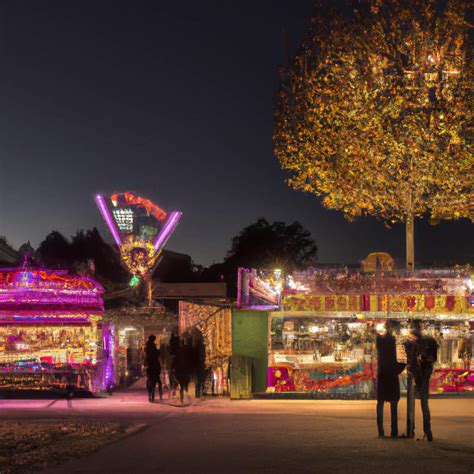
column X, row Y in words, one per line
column 42, row 289
column 424, row 291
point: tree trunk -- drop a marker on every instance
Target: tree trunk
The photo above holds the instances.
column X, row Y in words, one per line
column 410, row 256
column 410, row 241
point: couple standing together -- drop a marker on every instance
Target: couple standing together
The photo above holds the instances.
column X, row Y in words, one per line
column 421, row 354
column 185, row 359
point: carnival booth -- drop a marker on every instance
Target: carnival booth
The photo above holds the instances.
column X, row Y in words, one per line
column 312, row 334
column 212, row 323
column 51, row 332
column 131, row 327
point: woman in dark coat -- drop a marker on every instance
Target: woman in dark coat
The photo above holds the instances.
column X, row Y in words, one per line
column 182, row 367
column 198, row 352
column 388, row 384
column 153, row 369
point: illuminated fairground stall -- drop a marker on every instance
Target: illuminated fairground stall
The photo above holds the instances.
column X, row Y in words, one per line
column 312, row 333
column 214, row 323
column 51, row 332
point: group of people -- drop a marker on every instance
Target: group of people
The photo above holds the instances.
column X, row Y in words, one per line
column 183, row 359
column 421, row 354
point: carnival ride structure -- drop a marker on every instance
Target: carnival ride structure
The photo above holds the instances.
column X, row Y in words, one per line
column 140, row 228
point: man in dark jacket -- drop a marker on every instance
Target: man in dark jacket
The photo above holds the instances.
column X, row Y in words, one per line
column 388, row 385
column 198, row 361
column 182, row 366
column 422, row 353
column 153, row 369
column 175, row 344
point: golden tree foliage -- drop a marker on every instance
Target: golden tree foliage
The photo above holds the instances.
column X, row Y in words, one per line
column 375, row 113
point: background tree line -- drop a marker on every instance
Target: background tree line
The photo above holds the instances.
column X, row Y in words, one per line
column 261, row 244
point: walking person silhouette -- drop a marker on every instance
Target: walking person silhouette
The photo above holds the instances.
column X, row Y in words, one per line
column 422, row 353
column 198, row 361
column 153, row 369
column 388, row 384
column 182, row 367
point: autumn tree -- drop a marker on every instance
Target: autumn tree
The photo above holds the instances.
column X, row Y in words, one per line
column 374, row 113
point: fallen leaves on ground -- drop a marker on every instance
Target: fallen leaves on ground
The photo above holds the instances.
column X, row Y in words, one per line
column 28, row 446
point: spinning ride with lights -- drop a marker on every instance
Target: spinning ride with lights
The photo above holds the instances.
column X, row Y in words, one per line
column 140, row 229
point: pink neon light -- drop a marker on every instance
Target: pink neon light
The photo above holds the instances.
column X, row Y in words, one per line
column 43, row 289
column 167, row 230
column 104, row 210
column 45, row 321
column 239, row 287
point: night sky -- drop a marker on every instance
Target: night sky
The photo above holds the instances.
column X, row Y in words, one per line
column 172, row 100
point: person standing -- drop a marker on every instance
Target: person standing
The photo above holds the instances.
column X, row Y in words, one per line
column 153, row 369
column 182, row 367
column 175, row 344
column 422, row 353
column 165, row 363
column 198, row 361
column 174, row 347
column 388, row 384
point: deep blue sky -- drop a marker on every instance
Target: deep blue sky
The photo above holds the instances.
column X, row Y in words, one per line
column 172, row 100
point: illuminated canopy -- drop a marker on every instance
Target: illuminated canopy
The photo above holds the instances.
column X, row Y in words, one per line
column 421, row 292
column 31, row 289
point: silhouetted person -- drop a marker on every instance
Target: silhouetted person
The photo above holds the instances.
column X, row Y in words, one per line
column 422, row 352
column 388, row 384
column 153, row 369
column 182, row 367
column 165, row 362
column 175, row 344
column 198, row 361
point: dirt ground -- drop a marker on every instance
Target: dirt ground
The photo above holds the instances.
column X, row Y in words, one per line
column 258, row 436
column 31, row 445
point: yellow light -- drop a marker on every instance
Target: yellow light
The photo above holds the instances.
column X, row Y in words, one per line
column 380, row 328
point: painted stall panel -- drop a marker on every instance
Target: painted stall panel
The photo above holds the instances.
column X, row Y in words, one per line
column 250, row 340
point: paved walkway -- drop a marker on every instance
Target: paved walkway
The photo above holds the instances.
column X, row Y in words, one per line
column 258, row 436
